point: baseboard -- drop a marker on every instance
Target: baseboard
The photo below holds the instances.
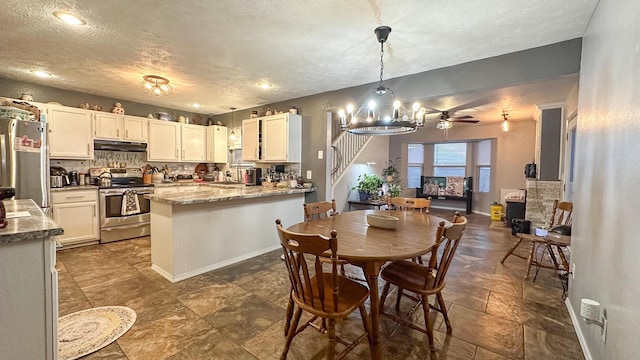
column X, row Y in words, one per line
column 481, row 213
column 446, row 208
column 581, row 339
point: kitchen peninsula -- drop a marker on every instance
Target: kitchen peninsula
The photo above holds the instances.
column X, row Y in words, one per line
column 196, row 232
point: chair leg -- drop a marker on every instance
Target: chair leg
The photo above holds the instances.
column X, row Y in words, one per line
column 383, row 297
column 292, row 331
column 532, row 251
column 367, row 326
column 287, row 324
column 398, row 299
column 342, row 272
column 331, row 331
column 428, row 322
column 443, row 310
column 511, row 250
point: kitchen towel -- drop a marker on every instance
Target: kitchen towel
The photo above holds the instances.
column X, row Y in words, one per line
column 130, row 203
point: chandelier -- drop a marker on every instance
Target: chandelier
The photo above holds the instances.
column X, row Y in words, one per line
column 382, row 113
column 156, row 85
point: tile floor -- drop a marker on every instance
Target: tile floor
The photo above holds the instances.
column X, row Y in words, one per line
column 238, row 312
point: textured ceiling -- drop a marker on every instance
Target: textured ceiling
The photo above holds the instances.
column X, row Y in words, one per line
column 215, row 52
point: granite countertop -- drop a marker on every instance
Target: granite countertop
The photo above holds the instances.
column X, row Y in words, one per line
column 36, row 226
column 202, row 183
column 223, row 193
column 75, row 187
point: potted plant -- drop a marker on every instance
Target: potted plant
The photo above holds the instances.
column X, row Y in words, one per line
column 394, row 190
column 368, row 185
column 391, row 171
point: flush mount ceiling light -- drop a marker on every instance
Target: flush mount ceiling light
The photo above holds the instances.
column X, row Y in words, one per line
column 505, row 122
column 69, row 18
column 40, row 73
column 156, row 85
column 196, row 105
column 264, row 85
column 373, row 118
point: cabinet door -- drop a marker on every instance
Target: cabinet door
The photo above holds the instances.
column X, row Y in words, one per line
column 70, row 133
column 108, row 126
column 135, row 129
column 79, row 221
column 217, row 144
column 251, row 139
column 194, row 142
column 275, row 138
column 164, row 141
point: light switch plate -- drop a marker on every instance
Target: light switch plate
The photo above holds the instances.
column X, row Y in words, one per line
column 309, row 174
column 320, row 154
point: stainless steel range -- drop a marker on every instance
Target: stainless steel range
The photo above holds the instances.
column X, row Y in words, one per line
column 113, row 224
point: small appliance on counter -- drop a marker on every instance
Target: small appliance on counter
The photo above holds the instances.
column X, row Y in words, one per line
column 59, row 177
column 253, row 177
column 5, row 193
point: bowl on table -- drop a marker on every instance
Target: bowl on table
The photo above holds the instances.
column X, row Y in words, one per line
column 382, row 221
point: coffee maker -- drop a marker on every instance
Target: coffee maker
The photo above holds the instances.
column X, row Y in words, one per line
column 254, row 177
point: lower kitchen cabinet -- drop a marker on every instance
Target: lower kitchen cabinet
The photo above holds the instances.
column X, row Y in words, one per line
column 77, row 212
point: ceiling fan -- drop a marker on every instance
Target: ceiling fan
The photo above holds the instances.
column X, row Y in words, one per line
column 446, row 120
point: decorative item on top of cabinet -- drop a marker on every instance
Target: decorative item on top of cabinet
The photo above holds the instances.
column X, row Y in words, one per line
column 118, row 109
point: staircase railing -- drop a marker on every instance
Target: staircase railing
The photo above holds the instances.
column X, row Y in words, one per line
column 345, row 149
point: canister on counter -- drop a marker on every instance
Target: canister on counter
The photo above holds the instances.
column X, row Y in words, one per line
column 81, row 179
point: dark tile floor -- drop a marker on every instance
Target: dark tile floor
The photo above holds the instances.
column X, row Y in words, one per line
column 238, row 312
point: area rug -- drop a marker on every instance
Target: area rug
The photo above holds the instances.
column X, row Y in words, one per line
column 90, row 330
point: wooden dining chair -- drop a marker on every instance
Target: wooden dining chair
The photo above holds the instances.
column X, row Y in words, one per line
column 320, row 209
column 425, row 280
column 560, row 215
column 324, row 295
column 403, row 203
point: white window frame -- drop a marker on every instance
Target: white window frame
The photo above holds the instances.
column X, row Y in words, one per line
column 463, row 166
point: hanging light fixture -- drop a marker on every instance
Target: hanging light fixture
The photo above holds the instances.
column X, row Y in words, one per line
column 370, row 118
column 444, row 123
column 505, row 122
column 156, row 85
column 232, row 136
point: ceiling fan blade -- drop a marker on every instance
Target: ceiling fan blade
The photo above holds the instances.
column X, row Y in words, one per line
column 465, row 121
column 462, row 117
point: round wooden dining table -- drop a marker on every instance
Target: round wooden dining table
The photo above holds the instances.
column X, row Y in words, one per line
column 370, row 248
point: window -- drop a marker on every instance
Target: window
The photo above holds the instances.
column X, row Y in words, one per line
column 483, row 164
column 415, row 161
column 449, row 159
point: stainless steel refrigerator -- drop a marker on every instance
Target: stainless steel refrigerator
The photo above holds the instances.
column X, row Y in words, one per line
column 24, row 160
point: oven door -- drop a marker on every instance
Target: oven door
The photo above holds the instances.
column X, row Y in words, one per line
column 111, row 208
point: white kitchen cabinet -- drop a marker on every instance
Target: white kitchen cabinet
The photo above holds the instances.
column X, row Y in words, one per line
column 274, row 138
column 76, row 212
column 135, row 129
column 164, row 141
column 251, row 140
column 194, row 139
column 70, row 133
column 217, row 144
column 282, row 138
column 120, row 127
column 107, row 126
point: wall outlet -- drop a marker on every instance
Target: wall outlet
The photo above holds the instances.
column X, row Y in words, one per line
column 309, row 174
column 320, row 154
column 573, row 271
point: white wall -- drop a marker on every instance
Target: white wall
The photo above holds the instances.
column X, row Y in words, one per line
column 606, row 244
column 376, row 150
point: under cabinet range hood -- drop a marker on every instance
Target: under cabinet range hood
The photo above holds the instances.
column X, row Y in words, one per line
column 110, row 145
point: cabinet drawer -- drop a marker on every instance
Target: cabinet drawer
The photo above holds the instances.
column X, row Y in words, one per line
column 63, row 197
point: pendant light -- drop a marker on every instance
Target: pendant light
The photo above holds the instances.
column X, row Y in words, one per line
column 505, row 122
column 232, row 136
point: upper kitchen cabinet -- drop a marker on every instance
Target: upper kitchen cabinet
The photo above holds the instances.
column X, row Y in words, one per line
column 70, row 133
column 282, row 138
column 217, row 144
column 120, row 127
column 135, row 128
column 107, row 126
column 164, row 141
column 251, row 140
column 194, row 139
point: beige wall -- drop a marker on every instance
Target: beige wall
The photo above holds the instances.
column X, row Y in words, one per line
column 606, row 244
column 514, row 149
